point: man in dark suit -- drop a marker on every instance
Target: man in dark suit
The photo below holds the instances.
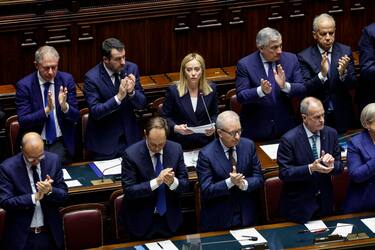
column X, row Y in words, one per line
column 32, row 189
column 328, row 71
column 46, row 104
column 307, row 156
column 153, row 177
column 366, row 86
column 229, row 172
column 266, row 80
column 112, row 90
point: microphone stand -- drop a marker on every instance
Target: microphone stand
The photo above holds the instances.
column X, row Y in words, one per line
column 102, row 180
column 208, row 114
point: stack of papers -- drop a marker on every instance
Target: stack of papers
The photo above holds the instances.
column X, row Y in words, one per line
column 316, row 226
column 343, row 229
column 370, row 223
column 270, row 150
column 202, row 129
column 191, row 158
column 166, row 244
column 108, row 167
column 243, row 236
column 68, row 180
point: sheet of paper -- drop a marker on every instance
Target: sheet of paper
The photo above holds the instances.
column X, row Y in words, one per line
column 370, row 223
column 191, row 158
column 160, row 245
column 343, row 229
column 270, row 150
column 202, row 129
column 316, row 225
column 73, row 183
column 109, row 167
column 242, row 235
column 66, row 174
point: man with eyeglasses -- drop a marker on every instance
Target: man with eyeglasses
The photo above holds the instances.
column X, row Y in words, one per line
column 307, row 157
column 229, row 172
column 113, row 91
column 32, row 189
column 328, row 70
column 46, row 103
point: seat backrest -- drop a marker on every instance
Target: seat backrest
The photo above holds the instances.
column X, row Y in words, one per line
column 157, row 106
column 83, row 226
column 197, row 196
column 272, row 193
column 2, row 223
column 231, row 98
column 340, row 185
column 84, row 118
column 12, row 127
column 116, row 200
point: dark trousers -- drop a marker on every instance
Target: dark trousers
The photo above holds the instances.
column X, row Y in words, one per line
column 40, row 241
column 159, row 229
column 59, row 148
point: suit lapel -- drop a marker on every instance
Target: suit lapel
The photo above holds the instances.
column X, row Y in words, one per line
column 36, row 92
column 304, row 142
column 107, row 79
column 323, row 141
column 148, row 166
column 221, row 158
column 367, row 144
column 316, row 58
column 23, row 174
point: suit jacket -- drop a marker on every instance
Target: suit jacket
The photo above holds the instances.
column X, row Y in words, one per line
column 261, row 117
column 298, row 197
column 108, row 120
column 333, row 90
column 15, row 198
column 361, row 164
column 179, row 110
column 30, row 108
column 366, row 47
column 139, row 200
column 217, row 201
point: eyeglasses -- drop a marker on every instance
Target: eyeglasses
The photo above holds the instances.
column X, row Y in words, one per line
column 31, row 159
column 233, row 133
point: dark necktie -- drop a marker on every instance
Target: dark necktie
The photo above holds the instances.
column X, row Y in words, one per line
column 313, row 147
column 50, row 123
column 161, row 205
column 231, row 157
column 35, row 175
column 117, row 80
column 271, row 79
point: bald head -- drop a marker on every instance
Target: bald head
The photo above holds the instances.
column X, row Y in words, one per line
column 33, row 147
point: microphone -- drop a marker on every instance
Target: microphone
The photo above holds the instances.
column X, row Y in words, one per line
column 106, row 181
column 205, row 108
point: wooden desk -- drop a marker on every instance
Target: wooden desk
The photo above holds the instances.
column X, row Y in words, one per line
column 281, row 235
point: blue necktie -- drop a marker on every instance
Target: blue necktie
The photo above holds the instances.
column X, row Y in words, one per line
column 271, row 79
column 117, row 80
column 161, row 205
column 50, row 123
column 313, row 146
column 35, row 175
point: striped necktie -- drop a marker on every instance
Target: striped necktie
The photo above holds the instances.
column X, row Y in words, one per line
column 314, row 137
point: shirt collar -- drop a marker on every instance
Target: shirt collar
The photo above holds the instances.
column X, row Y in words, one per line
column 42, row 81
column 152, row 154
column 109, row 72
column 308, row 132
column 262, row 58
column 225, row 148
column 322, row 50
column 28, row 164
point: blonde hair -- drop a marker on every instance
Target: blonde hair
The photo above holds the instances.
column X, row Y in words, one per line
column 182, row 84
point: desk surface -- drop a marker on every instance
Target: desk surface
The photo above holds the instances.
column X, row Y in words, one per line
column 279, row 236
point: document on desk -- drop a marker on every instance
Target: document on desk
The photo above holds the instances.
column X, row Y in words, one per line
column 370, row 223
column 202, row 129
column 343, row 229
column 248, row 236
column 66, row 174
column 160, row 245
column 316, row 225
column 191, row 158
column 270, row 150
column 108, row 167
column 73, row 183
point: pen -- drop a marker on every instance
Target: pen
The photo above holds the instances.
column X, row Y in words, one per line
column 252, row 238
column 159, row 245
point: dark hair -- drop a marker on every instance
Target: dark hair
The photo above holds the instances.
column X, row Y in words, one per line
column 156, row 122
column 109, row 44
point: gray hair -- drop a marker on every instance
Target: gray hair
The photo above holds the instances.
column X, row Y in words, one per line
column 321, row 17
column 306, row 102
column 223, row 118
column 368, row 114
column 266, row 35
column 46, row 50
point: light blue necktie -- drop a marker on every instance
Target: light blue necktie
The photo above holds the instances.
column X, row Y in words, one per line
column 161, row 205
column 50, row 123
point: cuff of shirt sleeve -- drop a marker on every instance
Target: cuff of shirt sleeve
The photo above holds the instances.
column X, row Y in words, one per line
column 287, row 88
column 322, row 78
column 310, row 171
column 117, row 100
column 154, row 184
column 260, row 91
column 33, row 199
column 174, row 185
column 245, row 186
column 229, row 183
